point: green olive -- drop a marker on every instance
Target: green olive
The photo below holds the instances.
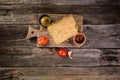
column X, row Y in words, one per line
column 45, row 21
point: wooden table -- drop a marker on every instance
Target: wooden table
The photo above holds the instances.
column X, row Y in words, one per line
column 98, row 59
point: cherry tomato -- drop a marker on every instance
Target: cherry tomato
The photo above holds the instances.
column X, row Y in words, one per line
column 42, row 40
column 62, row 53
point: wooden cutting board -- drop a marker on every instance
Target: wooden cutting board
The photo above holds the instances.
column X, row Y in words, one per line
column 44, row 32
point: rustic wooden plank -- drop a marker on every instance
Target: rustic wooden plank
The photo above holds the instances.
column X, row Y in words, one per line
column 13, row 31
column 62, row 73
column 90, row 19
column 60, row 2
column 29, row 14
column 98, row 36
column 78, row 9
column 9, row 74
column 102, row 36
column 72, row 77
column 22, row 56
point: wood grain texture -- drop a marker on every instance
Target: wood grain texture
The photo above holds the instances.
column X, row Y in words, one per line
column 9, row 74
column 98, row 36
column 77, row 77
column 30, row 14
column 22, row 56
column 99, row 58
column 61, row 2
column 61, row 73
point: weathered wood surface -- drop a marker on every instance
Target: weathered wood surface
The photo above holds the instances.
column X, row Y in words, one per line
column 60, row 73
column 27, row 62
column 29, row 14
column 98, row 36
column 29, row 56
column 61, row 2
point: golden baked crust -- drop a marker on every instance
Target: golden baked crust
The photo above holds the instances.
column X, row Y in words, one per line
column 63, row 29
